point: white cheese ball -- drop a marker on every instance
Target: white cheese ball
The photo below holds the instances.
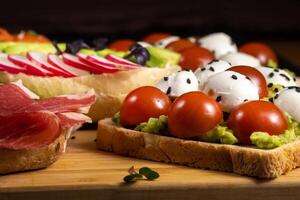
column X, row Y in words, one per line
column 288, row 100
column 218, row 43
column 239, row 58
column 178, row 83
column 277, row 76
column 230, row 89
column 166, row 41
column 210, row 69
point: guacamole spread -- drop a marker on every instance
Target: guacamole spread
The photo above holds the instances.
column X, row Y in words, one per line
column 222, row 134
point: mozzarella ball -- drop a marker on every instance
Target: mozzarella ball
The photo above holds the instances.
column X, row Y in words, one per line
column 166, row 41
column 178, row 83
column 277, row 76
column 218, row 43
column 288, row 100
column 239, row 58
column 210, row 69
column 230, row 89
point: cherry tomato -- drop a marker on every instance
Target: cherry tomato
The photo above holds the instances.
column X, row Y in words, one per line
column 155, row 37
column 180, row 45
column 263, row 52
column 255, row 77
column 121, row 45
column 193, row 114
column 195, row 57
column 143, row 103
column 256, row 116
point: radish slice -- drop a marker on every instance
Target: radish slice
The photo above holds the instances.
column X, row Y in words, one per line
column 121, row 61
column 99, row 68
column 56, row 61
column 41, row 60
column 108, row 64
column 6, row 65
column 30, row 67
column 77, row 63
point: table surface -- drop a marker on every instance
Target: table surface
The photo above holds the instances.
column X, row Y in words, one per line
column 83, row 172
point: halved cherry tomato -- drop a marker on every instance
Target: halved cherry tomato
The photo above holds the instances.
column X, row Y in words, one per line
column 255, row 77
column 121, row 45
column 256, row 116
column 181, row 44
column 195, row 57
column 155, row 37
column 143, row 103
column 263, row 52
column 5, row 35
column 193, row 114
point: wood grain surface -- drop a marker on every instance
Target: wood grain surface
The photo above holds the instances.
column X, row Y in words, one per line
column 86, row 173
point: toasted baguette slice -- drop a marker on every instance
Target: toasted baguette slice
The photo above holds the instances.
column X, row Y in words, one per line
column 24, row 160
column 110, row 89
column 229, row 158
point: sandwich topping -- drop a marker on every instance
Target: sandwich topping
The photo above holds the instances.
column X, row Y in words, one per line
column 27, row 123
column 234, row 100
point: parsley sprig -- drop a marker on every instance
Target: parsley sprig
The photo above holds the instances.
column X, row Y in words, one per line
column 144, row 173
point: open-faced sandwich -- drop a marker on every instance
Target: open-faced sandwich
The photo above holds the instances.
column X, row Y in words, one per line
column 230, row 114
column 112, row 71
column 33, row 131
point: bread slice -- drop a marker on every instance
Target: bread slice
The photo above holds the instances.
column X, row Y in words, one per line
column 229, row 158
column 24, row 160
column 110, row 89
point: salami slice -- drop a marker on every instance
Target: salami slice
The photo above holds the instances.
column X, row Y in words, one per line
column 69, row 103
column 28, row 130
column 71, row 119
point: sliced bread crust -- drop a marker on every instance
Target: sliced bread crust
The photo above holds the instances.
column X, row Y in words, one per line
column 230, row 158
column 23, row 160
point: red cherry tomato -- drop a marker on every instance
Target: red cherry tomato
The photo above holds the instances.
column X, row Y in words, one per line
column 255, row 77
column 155, row 37
column 259, row 50
column 143, row 103
column 193, row 114
column 121, row 45
column 180, row 45
column 195, row 57
column 256, row 116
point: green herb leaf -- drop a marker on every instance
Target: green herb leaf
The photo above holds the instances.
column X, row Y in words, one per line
column 143, row 172
column 129, row 178
column 149, row 173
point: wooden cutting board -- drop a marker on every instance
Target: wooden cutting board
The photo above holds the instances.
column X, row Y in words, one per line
column 86, row 173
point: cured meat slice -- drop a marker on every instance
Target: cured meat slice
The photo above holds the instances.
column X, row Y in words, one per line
column 69, row 103
column 13, row 97
column 71, row 119
column 28, row 130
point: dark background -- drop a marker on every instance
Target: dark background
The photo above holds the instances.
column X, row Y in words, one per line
column 67, row 20
column 276, row 23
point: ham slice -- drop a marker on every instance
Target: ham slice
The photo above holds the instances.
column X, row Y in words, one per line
column 71, row 119
column 28, row 130
column 28, row 123
column 13, row 98
column 70, row 103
